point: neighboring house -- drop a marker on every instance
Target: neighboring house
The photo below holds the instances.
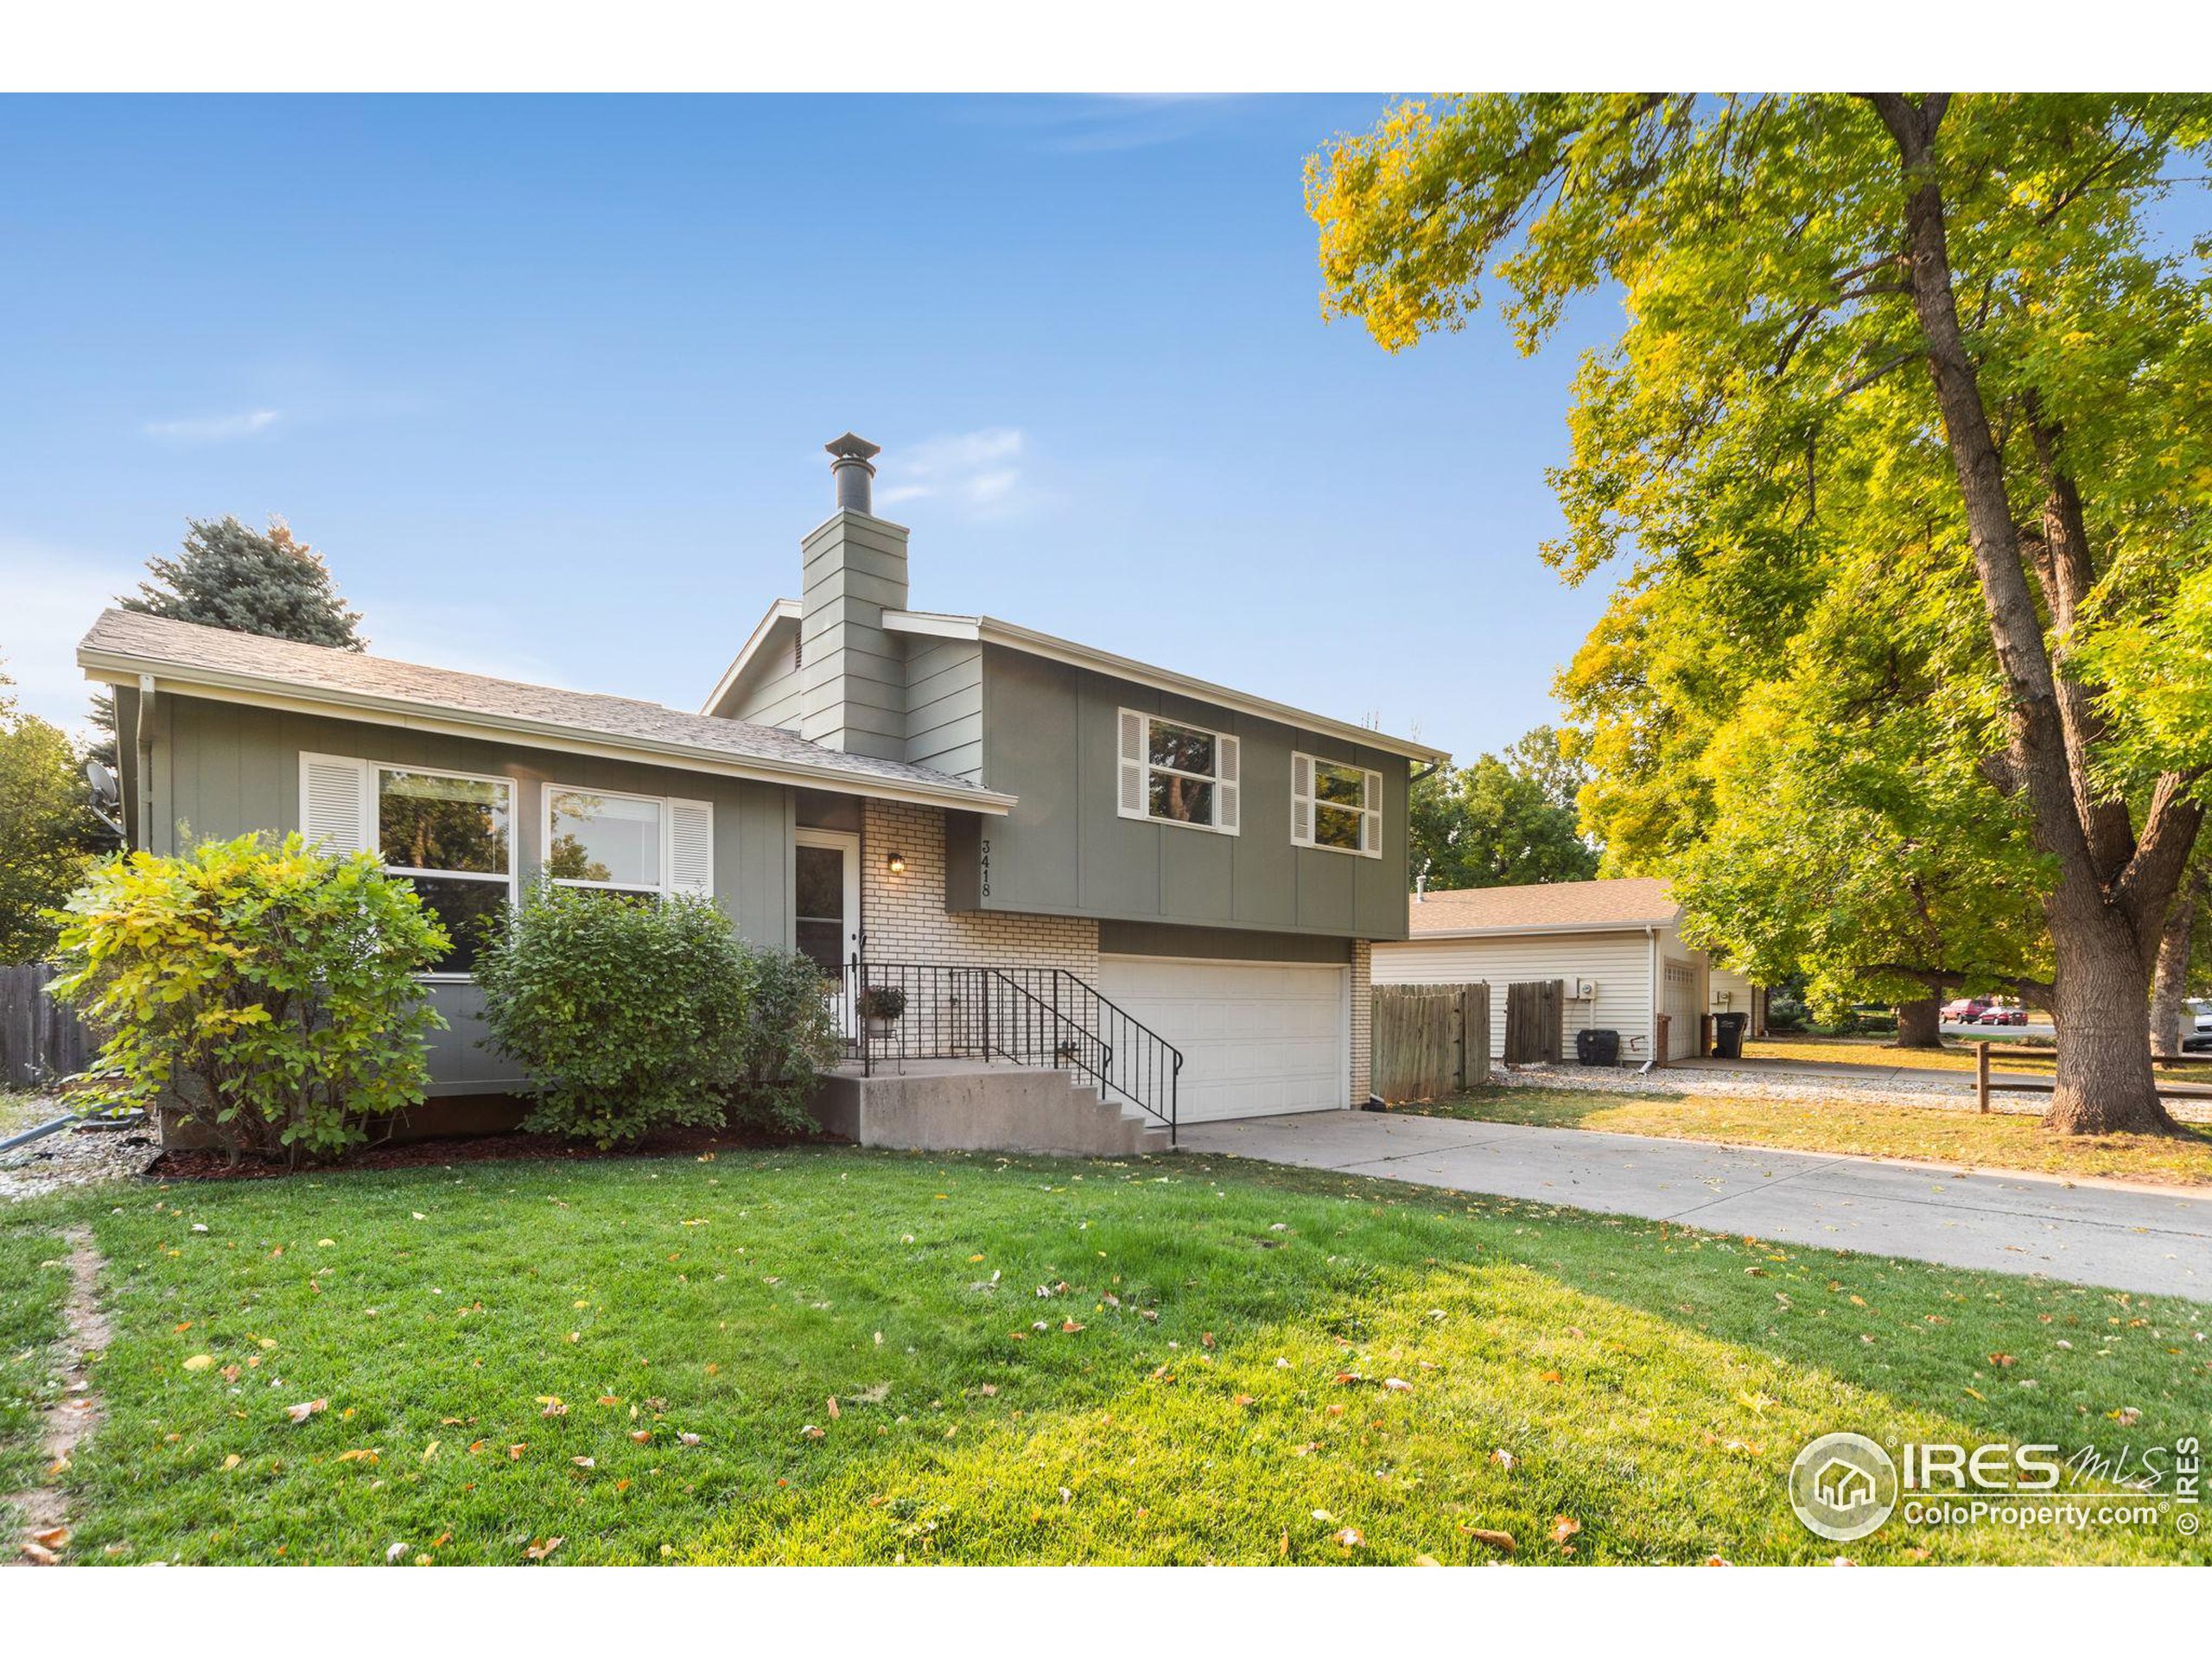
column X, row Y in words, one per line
column 866, row 780
column 1613, row 945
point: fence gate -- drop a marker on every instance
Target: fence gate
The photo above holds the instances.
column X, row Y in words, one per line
column 1534, row 1022
column 40, row 1041
column 1429, row 1041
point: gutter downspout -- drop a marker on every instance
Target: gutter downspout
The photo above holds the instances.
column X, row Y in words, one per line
column 1651, row 1002
column 145, row 735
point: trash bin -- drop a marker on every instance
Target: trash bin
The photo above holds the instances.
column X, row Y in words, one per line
column 1597, row 1047
column 1728, row 1035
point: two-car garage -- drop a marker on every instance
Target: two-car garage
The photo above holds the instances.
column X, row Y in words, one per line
column 1257, row 1038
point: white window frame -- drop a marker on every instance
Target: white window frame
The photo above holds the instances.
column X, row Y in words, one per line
column 1306, row 804
column 1226, row 776
column 669, row 805
column 372, row 837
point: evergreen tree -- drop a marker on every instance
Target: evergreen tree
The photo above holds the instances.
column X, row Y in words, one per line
column 249, row 581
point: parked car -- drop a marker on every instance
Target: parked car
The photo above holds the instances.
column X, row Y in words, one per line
column 1993, row 1015
column 1965, row 1010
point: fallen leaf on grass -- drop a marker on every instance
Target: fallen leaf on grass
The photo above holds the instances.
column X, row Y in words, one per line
column 306, row 1409
column 835, row 1413
column 585, row 1463
column 641, row 1435
column 1498, row 1541
column 38, row 1555
column 514, row 1452
column 360, row 1455
column 1069, row 1327
column 1397, row 1385
column 199, row 1362
column 687, row 1437
column 1350, row 1538
column 1549, row 1376
column 1427, row 1560
column 53, row 1537
column 542, row 1548
column 810, row 1433
column 1564, row 1527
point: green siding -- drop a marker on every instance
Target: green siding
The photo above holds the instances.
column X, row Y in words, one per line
column 1050, row 738
column 944, row 706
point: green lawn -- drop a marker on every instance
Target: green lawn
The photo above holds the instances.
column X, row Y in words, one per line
column 33, row 1281
column 478, row 1331
column 2006, row 1053
column 1945, row 1133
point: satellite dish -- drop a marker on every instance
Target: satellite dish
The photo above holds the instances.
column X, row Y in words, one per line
column 105, row 788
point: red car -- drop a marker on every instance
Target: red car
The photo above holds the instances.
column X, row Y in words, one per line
column 1994, row 1015
column 1965, row 1010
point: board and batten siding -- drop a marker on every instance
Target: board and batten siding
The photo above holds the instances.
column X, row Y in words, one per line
column 1619, row 961
column 1050, row 736
column 225, row 769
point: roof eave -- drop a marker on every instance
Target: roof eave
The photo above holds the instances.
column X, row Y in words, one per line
column 1644, row 926
column 124, row 668
column 990, row 630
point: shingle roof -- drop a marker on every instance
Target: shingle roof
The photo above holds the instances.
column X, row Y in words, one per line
column 352, row 675
column 1628, row 901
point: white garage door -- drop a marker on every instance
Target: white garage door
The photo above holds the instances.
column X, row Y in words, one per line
column 1256, row 1038
column 1681, row 1010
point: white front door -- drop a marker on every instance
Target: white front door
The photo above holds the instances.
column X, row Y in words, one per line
column 826, row 904
column 1257, row 1038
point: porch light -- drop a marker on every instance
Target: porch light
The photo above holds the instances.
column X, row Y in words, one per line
column 896, row 863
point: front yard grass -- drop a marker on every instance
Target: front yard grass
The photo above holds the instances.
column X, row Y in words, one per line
column 2006, row 1053
column 34, row 1281
column 1171, row 1360
column 1944, row 1133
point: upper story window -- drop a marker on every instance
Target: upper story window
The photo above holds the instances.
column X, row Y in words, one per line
column 452, row 836
column 628, row 843
column 1335, row 806
column 1178, row 773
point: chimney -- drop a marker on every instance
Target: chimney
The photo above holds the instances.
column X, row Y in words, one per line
column 852, row 672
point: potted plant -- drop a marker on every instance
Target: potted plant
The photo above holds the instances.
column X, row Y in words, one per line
column 880, row 1005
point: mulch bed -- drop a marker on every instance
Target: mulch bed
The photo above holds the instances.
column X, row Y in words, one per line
column 212, row 1164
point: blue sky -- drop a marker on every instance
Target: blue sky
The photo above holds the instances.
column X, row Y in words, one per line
column 546, row 381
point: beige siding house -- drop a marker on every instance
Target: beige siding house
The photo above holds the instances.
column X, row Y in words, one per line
column 1614, row 945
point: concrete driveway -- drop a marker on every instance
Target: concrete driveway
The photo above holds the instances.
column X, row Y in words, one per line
column 2132, row 1238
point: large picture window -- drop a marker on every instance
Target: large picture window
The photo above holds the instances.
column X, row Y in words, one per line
column 1336, row 807
column 1174, row 772
column 627, row 843
column 453, row 837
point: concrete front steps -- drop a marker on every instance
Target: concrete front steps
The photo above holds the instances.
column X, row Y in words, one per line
column 964, row 1106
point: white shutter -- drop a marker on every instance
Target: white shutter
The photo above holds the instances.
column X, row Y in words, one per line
column 336, row 809
column 1301, row 800
column 691, row 846
column 1226, row 815
column 1133, row 767
column 1370, row 817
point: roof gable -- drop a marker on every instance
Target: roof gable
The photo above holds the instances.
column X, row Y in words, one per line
column 1552, row 906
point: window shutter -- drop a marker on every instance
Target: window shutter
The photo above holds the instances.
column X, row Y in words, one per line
column 336, row 809
column 1370, row 817
column 1226, row 813
column 1301, row 800
column 691, row 846
column 1133, row 745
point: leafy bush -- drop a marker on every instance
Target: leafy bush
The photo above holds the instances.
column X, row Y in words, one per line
column 790, row 1037
column 1785, row 1011
column 882, row 1002
column 632, row 1015
column 265, row 991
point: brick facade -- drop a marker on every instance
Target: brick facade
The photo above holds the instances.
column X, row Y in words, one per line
column 1362, row 1020
column 904, row 918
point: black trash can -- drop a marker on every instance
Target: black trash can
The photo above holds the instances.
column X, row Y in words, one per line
column 1597, row 1047
column 1728, row 1035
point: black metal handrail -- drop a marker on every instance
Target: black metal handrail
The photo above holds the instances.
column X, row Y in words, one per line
column 1044, row 1017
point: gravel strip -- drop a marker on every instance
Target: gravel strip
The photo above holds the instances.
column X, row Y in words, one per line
column 76, row 1158
column 1944, row 1094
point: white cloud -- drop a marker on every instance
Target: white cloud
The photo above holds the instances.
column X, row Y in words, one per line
column 214, row 429
column 976, row 470
column 52, row 598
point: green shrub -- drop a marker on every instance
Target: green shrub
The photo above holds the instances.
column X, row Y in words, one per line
column 790, row 1037
column 629, row 1014
column 264, row 992
column 1785, row 1012
column 882, row 1002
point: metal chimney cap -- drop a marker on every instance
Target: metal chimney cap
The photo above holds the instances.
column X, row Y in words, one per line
column 852, row 446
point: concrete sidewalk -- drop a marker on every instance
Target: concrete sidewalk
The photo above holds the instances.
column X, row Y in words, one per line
column 2132, row 1238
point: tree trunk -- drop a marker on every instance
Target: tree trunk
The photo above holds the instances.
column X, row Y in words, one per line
column 1920, row 1023
column 2170, row 985
column 2105, row 1084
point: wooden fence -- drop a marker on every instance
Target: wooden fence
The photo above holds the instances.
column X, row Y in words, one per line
column 1534, row 1022
column 40, row 1041
column 1429, row 1041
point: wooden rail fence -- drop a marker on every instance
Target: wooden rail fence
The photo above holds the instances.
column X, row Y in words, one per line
column 1429, row 1041
column 40, row 1041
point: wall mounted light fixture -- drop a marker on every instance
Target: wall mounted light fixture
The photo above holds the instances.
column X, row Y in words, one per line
column 896, row 863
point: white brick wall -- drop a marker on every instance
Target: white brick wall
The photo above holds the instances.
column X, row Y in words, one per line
column 1362, row 1020
column 905, row 918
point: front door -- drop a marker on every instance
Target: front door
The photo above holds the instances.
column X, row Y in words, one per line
column 826, row 919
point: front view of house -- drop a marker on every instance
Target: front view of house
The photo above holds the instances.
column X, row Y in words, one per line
column 1126, row 858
